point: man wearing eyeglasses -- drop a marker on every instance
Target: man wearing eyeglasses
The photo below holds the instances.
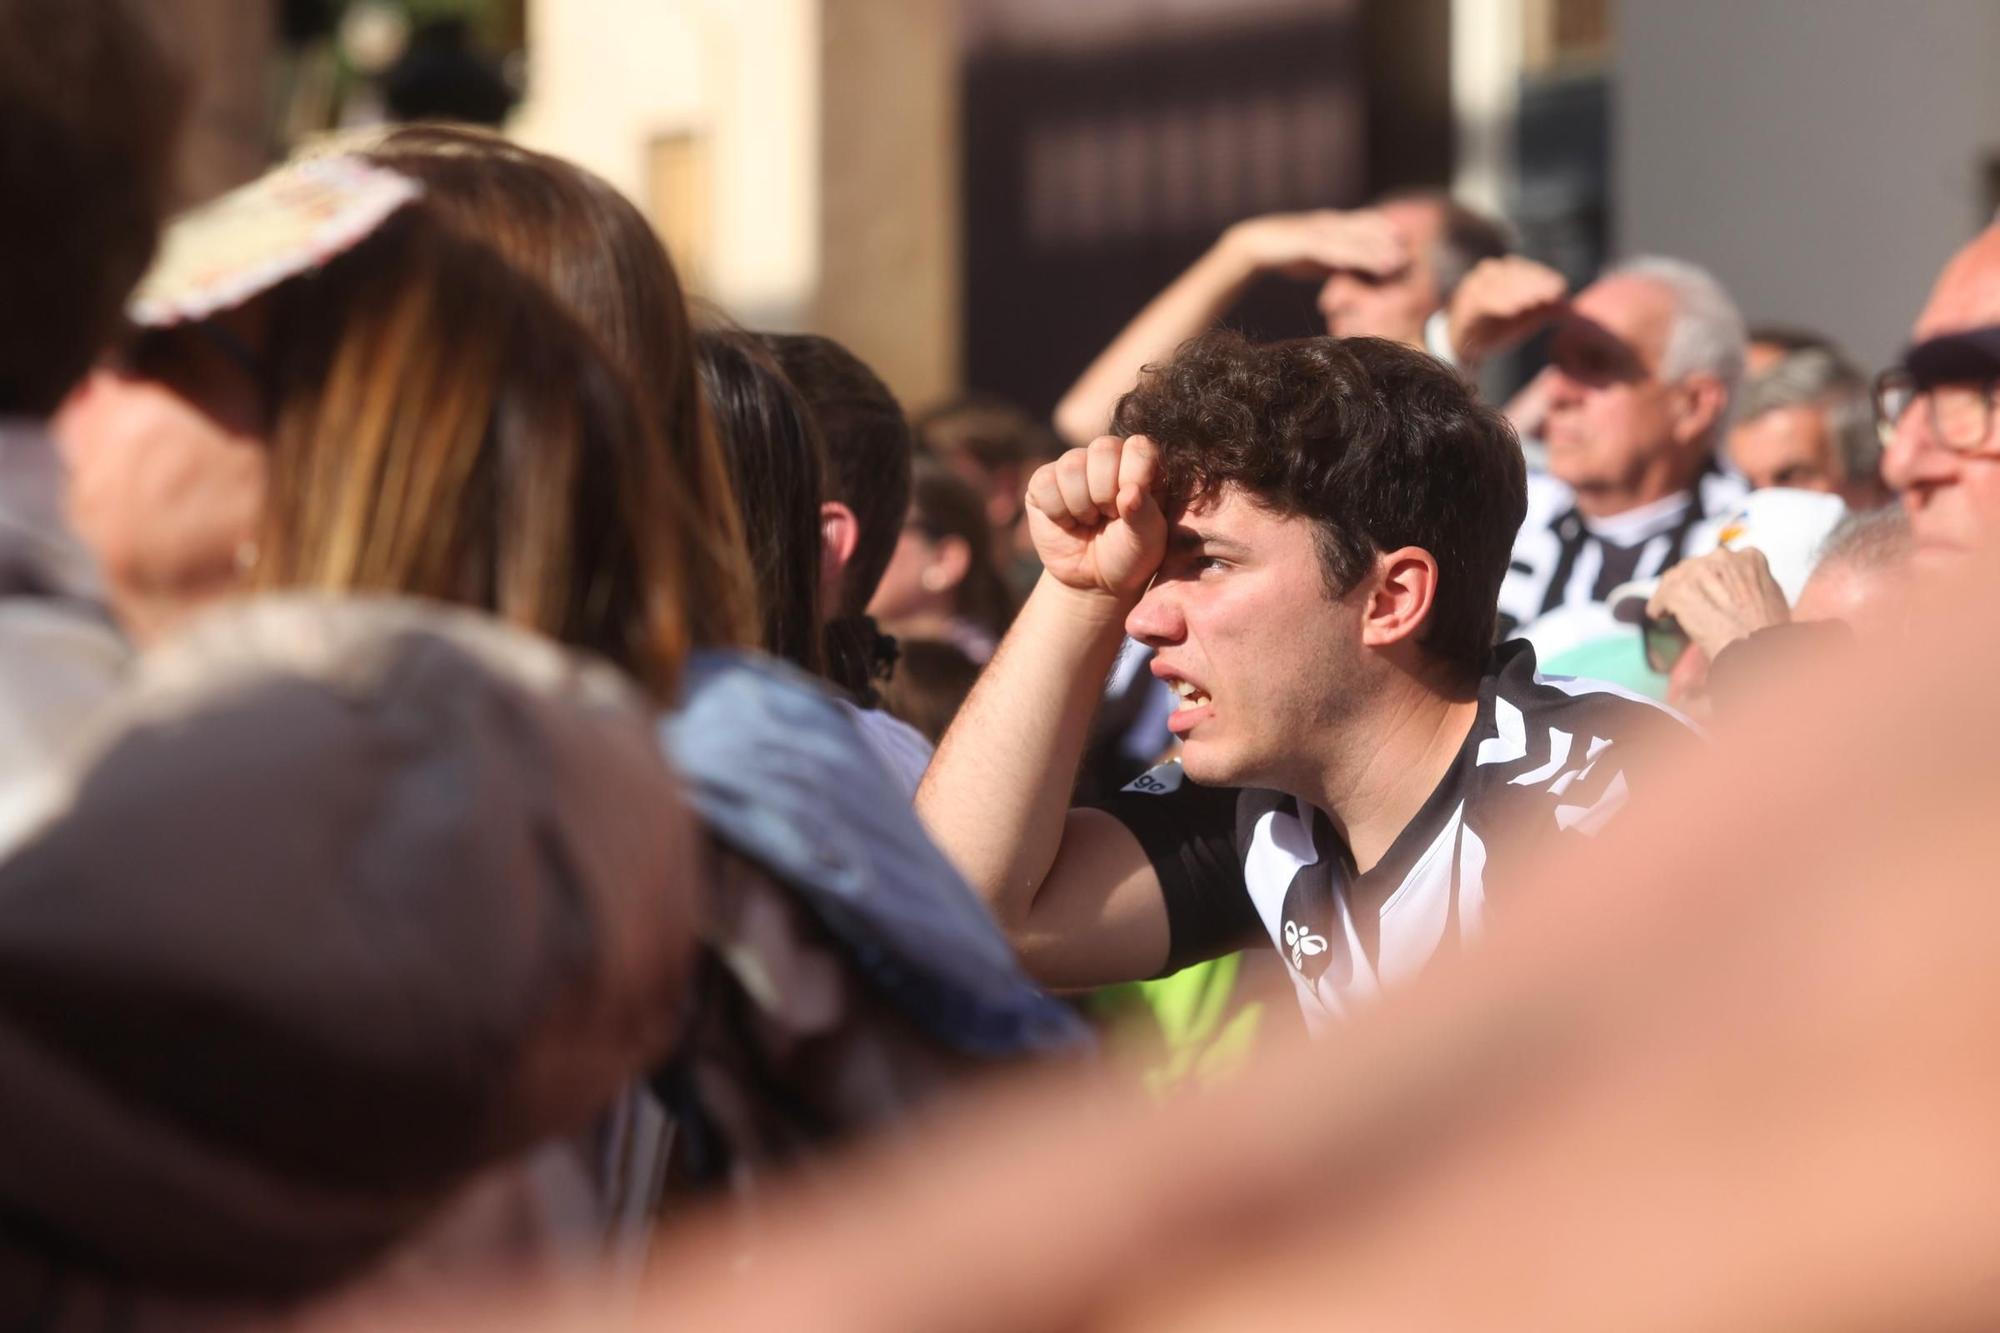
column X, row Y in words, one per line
column 1936, row 410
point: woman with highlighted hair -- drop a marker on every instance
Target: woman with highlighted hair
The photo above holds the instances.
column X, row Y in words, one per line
column 334, row 387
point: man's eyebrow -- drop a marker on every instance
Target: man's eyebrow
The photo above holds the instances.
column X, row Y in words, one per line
column 1183, row 539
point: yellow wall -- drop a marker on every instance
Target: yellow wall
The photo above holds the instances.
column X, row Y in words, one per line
column 799, row 155
column 618, row 85
column 889, row 224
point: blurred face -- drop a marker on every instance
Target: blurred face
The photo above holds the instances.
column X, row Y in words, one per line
column 166, row 450
column 1617, row 433
column 1392, row 306
column 1790, row 446
column 1951, row 495
column 923, row 575
column 1265, row 661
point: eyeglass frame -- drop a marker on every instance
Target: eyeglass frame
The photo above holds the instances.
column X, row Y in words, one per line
column 1899, row 379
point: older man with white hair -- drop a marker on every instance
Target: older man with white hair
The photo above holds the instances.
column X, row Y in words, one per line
column 1631, row 409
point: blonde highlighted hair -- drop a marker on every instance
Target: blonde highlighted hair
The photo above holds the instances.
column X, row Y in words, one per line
column 571, row 231
column 441, row 428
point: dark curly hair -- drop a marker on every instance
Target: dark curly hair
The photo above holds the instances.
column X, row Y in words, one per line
column 1380, row 445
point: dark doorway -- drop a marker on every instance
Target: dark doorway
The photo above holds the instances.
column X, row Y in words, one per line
column 1092, row 177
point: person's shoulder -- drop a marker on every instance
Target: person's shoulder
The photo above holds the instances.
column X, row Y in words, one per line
column 1570, row 749
column 1597, row 713
column 744, row 716
column 900, row 746
column 1617, row 706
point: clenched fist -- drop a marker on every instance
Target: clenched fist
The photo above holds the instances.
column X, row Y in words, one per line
column 1094, row 519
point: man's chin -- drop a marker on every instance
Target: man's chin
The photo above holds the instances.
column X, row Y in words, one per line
column 1198, row 762
column 1209, row 765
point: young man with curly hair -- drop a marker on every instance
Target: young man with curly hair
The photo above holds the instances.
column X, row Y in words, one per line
column 1311, row 535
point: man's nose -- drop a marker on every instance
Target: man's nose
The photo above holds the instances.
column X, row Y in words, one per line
column 1157, row 621
column 1559, row 386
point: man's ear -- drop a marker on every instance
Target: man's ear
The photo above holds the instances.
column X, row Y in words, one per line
column 1404, row 591
column 839, row 534
column 1699, row 400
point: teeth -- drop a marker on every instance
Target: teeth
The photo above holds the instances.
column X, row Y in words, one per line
column 1188, row 694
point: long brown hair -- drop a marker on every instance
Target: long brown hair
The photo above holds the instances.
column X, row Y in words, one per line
column 570, row 230
column 441, row 428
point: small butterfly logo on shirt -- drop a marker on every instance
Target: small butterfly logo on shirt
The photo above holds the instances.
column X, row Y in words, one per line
column 1303, row 944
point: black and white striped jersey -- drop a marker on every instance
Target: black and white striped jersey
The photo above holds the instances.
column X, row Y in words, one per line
column 1545, row 753
column 1563, row 559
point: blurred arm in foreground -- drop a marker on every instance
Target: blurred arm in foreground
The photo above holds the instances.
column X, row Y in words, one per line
column 1751, row 1090
column 1754, row 1089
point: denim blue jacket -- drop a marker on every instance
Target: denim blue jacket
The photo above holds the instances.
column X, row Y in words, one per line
column 780, row 774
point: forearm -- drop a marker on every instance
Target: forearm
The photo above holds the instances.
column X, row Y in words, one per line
column 997, row 792
column 1192, row 303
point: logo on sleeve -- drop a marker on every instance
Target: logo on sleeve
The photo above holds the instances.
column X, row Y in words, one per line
column 1303, row 945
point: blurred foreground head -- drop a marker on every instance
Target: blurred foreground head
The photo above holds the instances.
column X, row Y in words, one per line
column 413, row 416
column 90, row 109
column 340, row 902
column 1937, row 411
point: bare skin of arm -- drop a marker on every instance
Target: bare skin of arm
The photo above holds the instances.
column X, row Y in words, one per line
column 1073, row 890
column 1300, row 245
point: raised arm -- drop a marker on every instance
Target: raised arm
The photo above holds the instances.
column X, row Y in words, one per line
column 1074, row 891
column 1300, row 245
column 1499, row 304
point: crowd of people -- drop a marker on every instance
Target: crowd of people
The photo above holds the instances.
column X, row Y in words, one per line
column 507, row 777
